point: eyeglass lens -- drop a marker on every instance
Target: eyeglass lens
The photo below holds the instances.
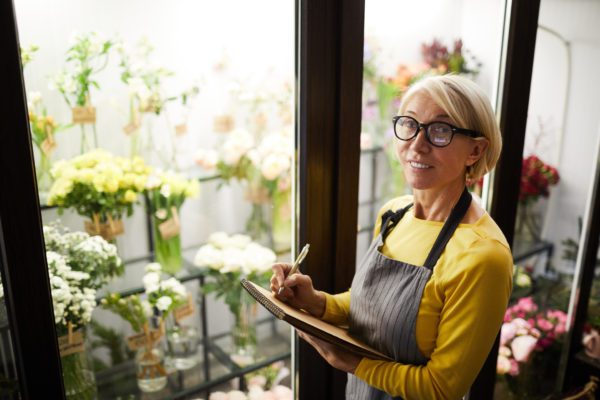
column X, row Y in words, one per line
column 438, row 133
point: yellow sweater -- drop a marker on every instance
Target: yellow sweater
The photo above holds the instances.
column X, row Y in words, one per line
column 461, row 310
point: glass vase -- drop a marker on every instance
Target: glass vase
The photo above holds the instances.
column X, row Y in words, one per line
column 244, row 330
column 282, row 222
column 78, row 376
column 151, row 373
column 527, row 225
column 182, row 343
column 257, row 225
column 167, row 248
column 44, row 179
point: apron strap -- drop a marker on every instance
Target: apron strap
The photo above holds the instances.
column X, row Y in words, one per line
column 457, row 214
column 389, row 220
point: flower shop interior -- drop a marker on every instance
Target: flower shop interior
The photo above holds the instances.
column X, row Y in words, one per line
column 156, row 154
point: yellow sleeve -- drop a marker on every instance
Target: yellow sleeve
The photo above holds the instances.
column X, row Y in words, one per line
column 475, row 300
column 337, row 308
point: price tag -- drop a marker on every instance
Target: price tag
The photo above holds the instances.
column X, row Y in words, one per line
column 131, row 127
column 223, row 123
column 140, row 340
column 185, row 310
column 83, row 115
column 181, row 129
column 72, row 346
column 171, row 227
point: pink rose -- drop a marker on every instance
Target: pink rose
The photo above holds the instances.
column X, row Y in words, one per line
column 514, row 368
column 527, row 305
column 507, row 333
column 544, row 324
column 503, row 365
column 522, row 346
column 560, row 329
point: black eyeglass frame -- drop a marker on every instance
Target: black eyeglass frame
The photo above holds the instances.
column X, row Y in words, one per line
column 467, row 132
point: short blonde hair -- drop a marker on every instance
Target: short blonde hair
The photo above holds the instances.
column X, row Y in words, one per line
column 468, row 107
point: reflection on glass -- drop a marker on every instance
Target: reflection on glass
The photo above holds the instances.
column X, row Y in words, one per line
column 554, row 187
column 164, row 156
column 8, row 372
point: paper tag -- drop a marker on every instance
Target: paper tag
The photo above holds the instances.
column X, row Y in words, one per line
column 83, row 115
column 223, row 123
column 185, row 310
column 181, row 129
column 131, row 127
column 107, row 230
column 75, row 346
column 48, row 145
column 171, row 227
column 141, row 340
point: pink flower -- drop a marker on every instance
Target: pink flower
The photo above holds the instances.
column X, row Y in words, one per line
column 218, row 396
column 544, row 324
column 527, row 305
column 503, row 365
column 560, row 329
column 522, row 346
column 283, row 392
column 514, row 368
column 507, row 333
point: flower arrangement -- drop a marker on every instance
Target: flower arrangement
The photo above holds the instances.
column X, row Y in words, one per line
column 536, row 179
column 528, row 340
column 43, row 130
column 99, row 186
column 264, row 168
column 145, row 84
column 166, row 192
column 87, row 56
column 146, row 315
column 27, row 54
column 228, row 259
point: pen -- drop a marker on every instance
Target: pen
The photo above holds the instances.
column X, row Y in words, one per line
column 296, row 264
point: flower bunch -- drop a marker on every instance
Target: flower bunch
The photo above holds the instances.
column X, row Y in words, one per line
column 72, row 300
column 161, row 297
column 169, row 189
column 536, row 178
column 527, row 331
column 98, row 183
column 278, row 392
column 43, row 126
column 87, row 56
column 268, row 164
column 84, row 253
column 439, row 58
column 230, row 258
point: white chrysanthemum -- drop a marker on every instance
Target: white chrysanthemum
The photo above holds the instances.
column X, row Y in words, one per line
column 151, row 282
column 219, row 239
column 153, row 267
column 258, row 258
column 233, row 260
column 209, row 256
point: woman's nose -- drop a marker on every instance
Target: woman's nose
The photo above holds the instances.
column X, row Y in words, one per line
column 420, row 142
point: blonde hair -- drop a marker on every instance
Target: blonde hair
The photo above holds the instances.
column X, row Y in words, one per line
column 468, row 106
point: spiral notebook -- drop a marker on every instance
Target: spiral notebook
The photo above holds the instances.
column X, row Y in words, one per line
column 311, row 325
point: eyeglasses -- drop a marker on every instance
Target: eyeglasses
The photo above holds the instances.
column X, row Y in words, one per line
column 439, row 134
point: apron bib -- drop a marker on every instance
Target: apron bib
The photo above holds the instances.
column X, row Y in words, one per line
column 385, row 298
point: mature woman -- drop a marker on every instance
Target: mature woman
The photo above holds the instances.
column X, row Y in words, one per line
column 432, row 289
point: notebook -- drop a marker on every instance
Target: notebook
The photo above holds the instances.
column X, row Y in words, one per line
column 311, row 325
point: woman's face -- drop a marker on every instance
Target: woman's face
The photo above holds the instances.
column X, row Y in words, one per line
column 429, row 167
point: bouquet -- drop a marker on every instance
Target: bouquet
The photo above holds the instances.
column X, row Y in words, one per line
column 264, row 167
column 166, row 192
column 228, row 259
column 536, row 179
column 146, row 316
column 99, row 186
column 87, row 56
column 529, row 341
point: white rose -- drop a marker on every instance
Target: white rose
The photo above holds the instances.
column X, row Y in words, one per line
column 240, row 241
column 209, row 256
column 233, row 260
column 219, row 239
column 274, row 165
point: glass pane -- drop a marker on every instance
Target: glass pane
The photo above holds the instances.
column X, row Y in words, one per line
column 163, row 140
column 555, row 178
column 405, row 43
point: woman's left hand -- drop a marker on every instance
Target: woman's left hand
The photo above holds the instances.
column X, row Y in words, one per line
column 335, row 356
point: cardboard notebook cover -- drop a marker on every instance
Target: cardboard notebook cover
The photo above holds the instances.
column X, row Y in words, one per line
column 309, row 324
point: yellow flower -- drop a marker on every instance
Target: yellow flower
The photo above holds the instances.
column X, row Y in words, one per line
column 99, row 183
column 111, row 185
column 140, row 182
column 192, row 189
column 130, row 196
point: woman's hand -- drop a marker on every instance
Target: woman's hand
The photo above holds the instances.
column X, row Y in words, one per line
column 336, row 357
column 298, row 292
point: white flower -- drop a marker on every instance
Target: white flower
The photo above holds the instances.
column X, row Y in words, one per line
column 236, row 395
column 163, row 303
column 258, row 258
column 233, row 260
column 219, row 239
column 151, row 282
column 366, row 141
column 218, row 396
column 238, row 144
column 274, row 165
column 209, row 256
column 207, row 159
column 153, row 267
column 238, row 240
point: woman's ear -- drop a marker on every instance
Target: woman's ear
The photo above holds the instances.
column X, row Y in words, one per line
column 477, row 151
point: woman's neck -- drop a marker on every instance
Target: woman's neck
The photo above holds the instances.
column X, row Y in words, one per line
column 436, row 204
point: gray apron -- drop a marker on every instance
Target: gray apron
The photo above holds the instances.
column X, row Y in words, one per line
column 385, row 298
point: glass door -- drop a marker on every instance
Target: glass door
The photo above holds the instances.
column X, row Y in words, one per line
column 164, row 146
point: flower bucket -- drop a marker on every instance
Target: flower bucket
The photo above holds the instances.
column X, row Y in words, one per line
column 108, row 230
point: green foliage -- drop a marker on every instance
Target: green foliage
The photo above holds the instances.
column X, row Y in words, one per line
column 129, row 308
column 113, row 341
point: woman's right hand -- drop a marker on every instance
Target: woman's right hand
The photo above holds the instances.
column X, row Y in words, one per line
column 298, row 291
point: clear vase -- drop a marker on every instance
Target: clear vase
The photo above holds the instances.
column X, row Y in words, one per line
column 244, row 331
column 44, row 179
column 182, row 343
column 257, row 225
column 78, row 376
column 527, row 225
column 151, row 373
column 167, row 249
column 282, row 222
